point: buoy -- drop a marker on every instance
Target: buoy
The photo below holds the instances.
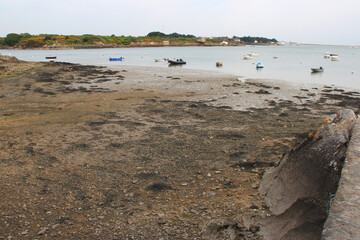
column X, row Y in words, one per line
column 219, row 64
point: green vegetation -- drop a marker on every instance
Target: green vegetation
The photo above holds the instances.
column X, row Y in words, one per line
column 26, row 40
column 12, row 39
column 251, row 40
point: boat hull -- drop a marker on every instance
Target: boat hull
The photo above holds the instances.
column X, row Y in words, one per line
column 116, row 59
column 317, row 70
column 259, row 65
column 176, row 62
column 161, row 60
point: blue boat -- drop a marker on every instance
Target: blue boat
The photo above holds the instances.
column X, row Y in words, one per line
column 259, row 65
column 116, row 59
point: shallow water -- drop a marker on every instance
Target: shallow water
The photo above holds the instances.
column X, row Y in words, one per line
column 293, row 63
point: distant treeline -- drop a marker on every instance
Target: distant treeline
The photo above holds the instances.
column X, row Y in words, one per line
column 26, row 40
column 250, row 40
column 172, row 35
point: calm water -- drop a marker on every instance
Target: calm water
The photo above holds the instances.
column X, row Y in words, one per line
column 293, row 64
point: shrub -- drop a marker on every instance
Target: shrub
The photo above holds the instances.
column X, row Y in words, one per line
column 12, row 39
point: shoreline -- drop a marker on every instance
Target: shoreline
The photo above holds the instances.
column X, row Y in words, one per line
column 174, row 45
column 276, row 69
column 90, row 152
column 129, row 46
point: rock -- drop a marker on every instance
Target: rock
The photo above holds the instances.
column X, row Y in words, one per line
column 224, row 229
column 43, row 231
column 298, row 190
column 8, row 59
column 313, row 168
column 161, row 220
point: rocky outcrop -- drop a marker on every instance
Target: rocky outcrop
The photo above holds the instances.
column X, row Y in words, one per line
column 8, row 59
column 299, row 189
column 344, row 215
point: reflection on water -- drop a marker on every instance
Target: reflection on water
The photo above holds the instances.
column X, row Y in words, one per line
column 175, row 65
column 289, row 63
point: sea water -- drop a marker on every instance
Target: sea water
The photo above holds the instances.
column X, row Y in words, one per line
column 293, row 63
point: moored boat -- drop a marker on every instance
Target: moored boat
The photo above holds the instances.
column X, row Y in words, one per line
column 54, row 57
column 252, row 54
column 317, row 70
column 334, row 57
column 161, row 60
column 116, row 59
column 259, row 65
column 247, row 57
column 177, row 61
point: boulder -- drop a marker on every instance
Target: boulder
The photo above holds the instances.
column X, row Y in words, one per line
column 299, row 190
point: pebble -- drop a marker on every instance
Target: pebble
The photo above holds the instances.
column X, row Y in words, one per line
column 255, row 185
column 55, row 226
column 43, row 230
column 161, row 220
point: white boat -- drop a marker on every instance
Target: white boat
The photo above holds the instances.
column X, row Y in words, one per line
column 327, row 55
column 161, row 60
column 252, row 54
column 247, row 57
column 334, row 57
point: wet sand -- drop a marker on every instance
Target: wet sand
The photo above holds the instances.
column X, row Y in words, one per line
column 143, row 153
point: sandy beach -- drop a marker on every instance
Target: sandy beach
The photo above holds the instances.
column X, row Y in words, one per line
column 143, row 153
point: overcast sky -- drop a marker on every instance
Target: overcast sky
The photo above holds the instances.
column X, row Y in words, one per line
column 304, row 21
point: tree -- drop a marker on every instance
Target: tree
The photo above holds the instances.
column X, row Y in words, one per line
column 156, row 34
column 12, row 39
column 25, row 35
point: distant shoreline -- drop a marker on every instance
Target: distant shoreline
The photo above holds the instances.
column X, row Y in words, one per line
column 131, row 46
column 164, row 46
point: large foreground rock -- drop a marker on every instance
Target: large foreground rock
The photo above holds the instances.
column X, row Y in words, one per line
column 299, row 189
column 343, row 222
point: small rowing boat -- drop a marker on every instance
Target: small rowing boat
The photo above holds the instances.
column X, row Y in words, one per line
column 50, row 57
column 161, row 60
column 247, row 57
column 317, row 70
column 177, row 61
column 259, row 65
column 116, row 59
column 334, row 57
